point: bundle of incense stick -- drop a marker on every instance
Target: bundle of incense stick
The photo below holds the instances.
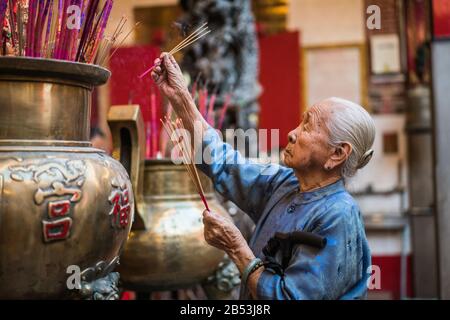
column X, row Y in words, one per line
column 178, row 135
column 72, row 30
column 189, row 40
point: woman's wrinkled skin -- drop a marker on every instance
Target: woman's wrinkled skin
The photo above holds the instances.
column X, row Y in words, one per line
column 308, row 153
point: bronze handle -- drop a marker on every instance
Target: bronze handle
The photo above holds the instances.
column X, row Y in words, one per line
column 128, row 134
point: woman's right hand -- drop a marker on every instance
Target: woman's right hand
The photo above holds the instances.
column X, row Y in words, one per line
column 169, row 78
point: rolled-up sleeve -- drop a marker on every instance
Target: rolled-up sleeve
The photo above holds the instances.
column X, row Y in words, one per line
column 315, row 274
column 249, row 185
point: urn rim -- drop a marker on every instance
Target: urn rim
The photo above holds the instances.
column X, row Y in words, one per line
column 40, row 68
column 164, row 162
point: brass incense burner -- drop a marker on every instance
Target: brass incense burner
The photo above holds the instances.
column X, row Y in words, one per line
column 66, row 209
column 166, row 249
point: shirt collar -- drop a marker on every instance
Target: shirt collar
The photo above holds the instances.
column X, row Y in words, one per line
column 306, row 197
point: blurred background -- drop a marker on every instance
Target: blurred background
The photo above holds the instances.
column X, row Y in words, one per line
column 266, row 61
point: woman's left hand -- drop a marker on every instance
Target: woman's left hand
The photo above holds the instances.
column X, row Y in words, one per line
column 222, row 233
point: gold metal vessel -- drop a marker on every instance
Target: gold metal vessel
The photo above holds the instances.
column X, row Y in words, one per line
column 166, row 249
column 66, row 208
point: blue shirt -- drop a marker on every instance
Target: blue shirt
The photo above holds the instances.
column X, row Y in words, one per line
column 270, row 195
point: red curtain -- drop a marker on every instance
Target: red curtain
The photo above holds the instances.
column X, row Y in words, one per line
column 280, row 78
column 127, row 88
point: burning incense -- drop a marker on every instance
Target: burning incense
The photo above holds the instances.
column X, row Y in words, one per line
column 192, row 38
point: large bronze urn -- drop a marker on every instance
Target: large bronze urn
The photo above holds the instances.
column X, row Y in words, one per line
column 66, row 208
column 166, row 249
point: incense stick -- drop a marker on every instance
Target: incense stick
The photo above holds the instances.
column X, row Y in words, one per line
column 91, row 9
column 199, row 30
column 19, row 27
column 123, row 40
column 187, row 153
column 154, row 124
column 44, row 10
column 187, row 44
column 197, row 178
column 12, row 22
column 171, row 130
column 194, row 37
column 164, row 141
column 45, row 28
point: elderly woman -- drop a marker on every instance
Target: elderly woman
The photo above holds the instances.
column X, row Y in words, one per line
column 332, row 143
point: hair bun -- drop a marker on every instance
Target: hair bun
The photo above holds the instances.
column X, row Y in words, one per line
column 365, row 159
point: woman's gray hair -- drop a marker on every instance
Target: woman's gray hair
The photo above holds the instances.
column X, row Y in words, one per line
column 351, row 123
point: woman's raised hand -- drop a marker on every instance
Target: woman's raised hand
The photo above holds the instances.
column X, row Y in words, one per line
column 169, row 78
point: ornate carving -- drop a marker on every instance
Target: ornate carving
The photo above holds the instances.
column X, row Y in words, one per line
column 100, row 270
column 57, row 189
column 70, row 171
column 99, row 282
column 102, row 289
column 226, row 277
column 55, row 180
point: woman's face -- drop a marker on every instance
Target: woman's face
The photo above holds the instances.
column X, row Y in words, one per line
column 308, row 146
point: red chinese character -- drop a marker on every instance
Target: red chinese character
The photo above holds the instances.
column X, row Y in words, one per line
column 58, row 208
column 57, row 230
column 124, row 214
column 121, row 209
